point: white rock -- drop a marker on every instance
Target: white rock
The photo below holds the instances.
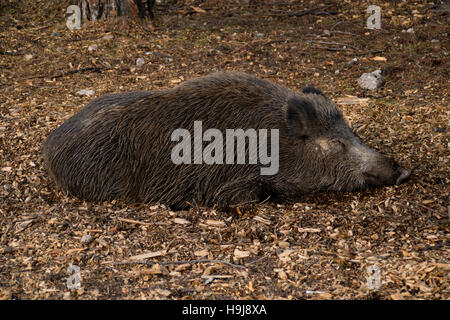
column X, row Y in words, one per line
column 93, row 47
column 85, row 92
column 140, row 62
column 371, row 80
column 87, row 238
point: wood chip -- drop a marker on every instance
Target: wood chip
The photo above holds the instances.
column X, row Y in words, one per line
column 352, row 100
column 262, row 220
column 312, row 230
column 380, row 59
column 241, row 253
column 181, row 221
column 215, row 223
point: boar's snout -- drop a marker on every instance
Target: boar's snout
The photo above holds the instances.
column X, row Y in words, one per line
column 404, row 175
column 384, row 171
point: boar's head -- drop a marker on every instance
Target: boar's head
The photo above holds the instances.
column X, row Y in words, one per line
column 323, row 153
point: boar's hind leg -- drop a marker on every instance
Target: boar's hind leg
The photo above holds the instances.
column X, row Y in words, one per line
column 237, row 192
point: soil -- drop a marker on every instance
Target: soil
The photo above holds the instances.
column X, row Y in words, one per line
column 322, row 247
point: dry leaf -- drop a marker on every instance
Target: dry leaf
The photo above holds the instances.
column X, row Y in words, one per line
column 377, row 58
column 149, row 255
column 282, row 275
column 163, row 292
column 198, row 10
column 283, row 244
column 154, row 269
column 397, row 296
column 325, row 295
column 201, row 253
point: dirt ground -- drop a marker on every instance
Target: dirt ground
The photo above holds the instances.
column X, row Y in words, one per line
column 318, row 248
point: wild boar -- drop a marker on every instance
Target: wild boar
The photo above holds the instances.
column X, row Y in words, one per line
column 122, row 146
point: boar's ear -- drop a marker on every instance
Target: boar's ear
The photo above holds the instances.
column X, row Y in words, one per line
column 311, row 89
column 301, row 118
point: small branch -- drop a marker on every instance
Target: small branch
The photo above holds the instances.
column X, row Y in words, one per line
column 331, row 49
column 194, row 206
column 142, row 223
column 10, row 53
column 259, row 259
column 93, row 69
column 264, row 201
column 314, row 12
column 344, row 32
column 248, row 202
column 134, row 221
column 365, row 53
column 334, row 43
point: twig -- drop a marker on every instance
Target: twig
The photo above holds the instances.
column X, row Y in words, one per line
column 303, row 13
column 345, row 32
column 314, row 261
column 93, row 69
column 265, row 200
column 195, row 205
column 365, row 53
column 335, row 25
column 141, row 223
column 249, row 202
column 259, row 259
column 428, row 247
column 418, row 204
column 10, row 53
column 51, row 213
column 334, row 43
column 165, row 263
column 330, row 49
column 134, row 221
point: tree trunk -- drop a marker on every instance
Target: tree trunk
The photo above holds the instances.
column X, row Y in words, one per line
column 95, row 9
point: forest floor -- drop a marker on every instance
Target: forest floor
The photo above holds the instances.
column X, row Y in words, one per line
column 319, row 248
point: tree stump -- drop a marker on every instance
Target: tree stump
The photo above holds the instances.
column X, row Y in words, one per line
column 94, row 10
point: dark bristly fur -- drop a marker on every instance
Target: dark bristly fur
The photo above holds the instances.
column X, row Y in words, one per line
column 119, row 146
